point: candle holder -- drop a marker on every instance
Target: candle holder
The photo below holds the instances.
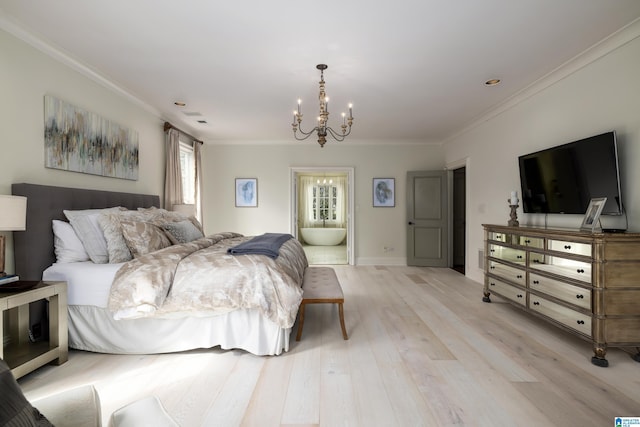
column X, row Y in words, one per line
column 513, row 222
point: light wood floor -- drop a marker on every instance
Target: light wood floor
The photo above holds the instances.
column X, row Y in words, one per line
column 423, row 350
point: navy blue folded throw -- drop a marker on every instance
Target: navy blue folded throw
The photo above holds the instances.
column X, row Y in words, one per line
column 268, row 244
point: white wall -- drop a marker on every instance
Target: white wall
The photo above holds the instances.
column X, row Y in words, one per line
column 375, row 228
column 26, row 75
column 600, row 96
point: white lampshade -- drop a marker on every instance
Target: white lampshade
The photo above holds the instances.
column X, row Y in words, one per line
column 185, row 209
column 13, row 213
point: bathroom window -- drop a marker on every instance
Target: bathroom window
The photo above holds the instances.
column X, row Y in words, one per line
column 325, row 198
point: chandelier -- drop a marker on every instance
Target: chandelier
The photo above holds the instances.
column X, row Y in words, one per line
column 322, row 129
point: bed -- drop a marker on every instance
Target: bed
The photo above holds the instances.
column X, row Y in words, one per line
column 91, row 286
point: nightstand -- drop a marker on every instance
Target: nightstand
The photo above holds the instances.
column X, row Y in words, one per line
column 21, row 354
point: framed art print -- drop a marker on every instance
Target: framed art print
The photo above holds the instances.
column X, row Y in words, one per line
column 384, row 192
column 246, row 192
column 592, row 216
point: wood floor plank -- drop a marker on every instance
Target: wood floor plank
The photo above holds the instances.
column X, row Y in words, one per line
column 423, row 349
column 269, row 397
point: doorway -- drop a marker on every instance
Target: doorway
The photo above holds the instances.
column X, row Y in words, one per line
column 322, row 204
column 459, row 215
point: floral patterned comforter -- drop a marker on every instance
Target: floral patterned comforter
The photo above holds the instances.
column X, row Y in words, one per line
column 200, row 278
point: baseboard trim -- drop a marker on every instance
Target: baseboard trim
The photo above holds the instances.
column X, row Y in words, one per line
column 381, row 261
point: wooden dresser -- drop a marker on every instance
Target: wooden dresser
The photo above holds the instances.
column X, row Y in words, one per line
column 587, row 284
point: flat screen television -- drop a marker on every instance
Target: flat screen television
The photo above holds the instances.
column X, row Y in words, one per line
column 563, row 179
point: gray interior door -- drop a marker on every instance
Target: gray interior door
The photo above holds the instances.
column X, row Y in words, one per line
column 427, row 219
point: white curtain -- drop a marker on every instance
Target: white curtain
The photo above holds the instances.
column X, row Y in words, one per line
column 305, row 201
column 341, row 201
column 173, row 176
column 197, row 159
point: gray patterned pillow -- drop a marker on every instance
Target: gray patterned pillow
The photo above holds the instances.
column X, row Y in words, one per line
column 117, row 248
column 182, row 231
column 143, row 237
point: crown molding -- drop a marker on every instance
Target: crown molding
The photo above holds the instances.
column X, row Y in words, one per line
column 13, row 28
column 592, row 54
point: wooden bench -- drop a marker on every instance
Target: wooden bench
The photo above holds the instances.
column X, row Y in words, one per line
column 321, row 286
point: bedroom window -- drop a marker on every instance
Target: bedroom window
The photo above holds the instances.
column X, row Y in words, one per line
column 325, row 196
column 188, row 170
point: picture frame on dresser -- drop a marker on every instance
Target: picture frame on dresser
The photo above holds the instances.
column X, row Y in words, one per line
column 591, row 219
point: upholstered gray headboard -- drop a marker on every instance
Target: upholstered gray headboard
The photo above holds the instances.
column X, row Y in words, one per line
column 33, row 248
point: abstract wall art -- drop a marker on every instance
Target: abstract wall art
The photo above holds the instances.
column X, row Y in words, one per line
column 246, row 192
column 81, row 141
column 384, row 192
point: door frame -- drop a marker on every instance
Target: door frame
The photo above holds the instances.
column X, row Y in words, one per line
column 465, row 162
column 293, row 201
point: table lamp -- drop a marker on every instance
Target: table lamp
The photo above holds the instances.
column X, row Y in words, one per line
column 13, row 217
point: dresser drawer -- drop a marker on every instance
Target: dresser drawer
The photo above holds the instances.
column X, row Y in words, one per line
column 572, row 294
column 570, row 247
column 576, row 270
column 499, row 237
column 532, row 242
column 510, row 273
column 507, row 291
column 507, row 254
column 574, row 320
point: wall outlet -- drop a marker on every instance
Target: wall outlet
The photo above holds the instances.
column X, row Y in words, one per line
column 389, row 248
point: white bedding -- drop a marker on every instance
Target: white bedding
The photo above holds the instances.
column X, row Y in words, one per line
column 81, row 291
column 93, row 328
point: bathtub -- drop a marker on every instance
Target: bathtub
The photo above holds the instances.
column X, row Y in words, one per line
column 323, row 236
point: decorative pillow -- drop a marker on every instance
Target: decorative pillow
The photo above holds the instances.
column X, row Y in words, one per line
column 15, row 409
column 143, row 237
column 117, row 248
column 182, row 231
column 85, row 224
column 170, row 216
column 67, row 244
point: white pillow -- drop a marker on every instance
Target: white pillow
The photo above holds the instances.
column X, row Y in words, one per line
column 67, row 245
column 85, row 224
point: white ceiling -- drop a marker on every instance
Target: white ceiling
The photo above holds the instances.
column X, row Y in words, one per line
column 414, row 69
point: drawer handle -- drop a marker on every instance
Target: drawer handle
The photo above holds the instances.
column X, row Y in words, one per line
column 580, row 322
column 567, row 246
column 519, row 256
column 492, row 250
column 519, row 276
column 580, row 270
column 536, row 282
column 519, row 295
column 579, row 296
column 527, row 241
column 536, row 303
column 492, row 284
column 492, row 267
column 536, row 261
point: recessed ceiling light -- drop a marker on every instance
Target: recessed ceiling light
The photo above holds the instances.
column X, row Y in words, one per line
column 492, row 82
column 180, row 103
